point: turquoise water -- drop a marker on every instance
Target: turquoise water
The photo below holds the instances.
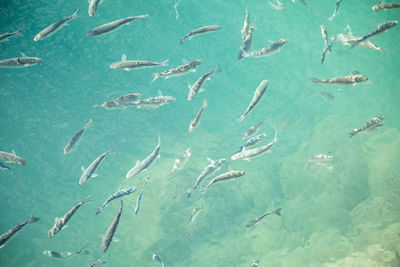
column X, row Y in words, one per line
column 346, row 216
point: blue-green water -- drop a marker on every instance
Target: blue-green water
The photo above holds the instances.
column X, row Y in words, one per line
column 347, row 216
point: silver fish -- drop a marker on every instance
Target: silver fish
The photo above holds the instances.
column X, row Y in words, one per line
column 112, row 26
column 381, row 28
column 139, row 199
column 6, row 36
column 105, row 243
column 196, row 87
column 89, row 171
column 259, row 92
column 252, row 130
column 255, row 152
column 385, row 6
column 246, row 29
column 193, row 216
column 352, row 79
column 227, row 176
column 65, row 255
column 4, row 167
column 74, row 141
column 257, row 220
column 213, row 165
column 141, row 166
column 121, row 102
column 246, row 45
column 156, row 258
column 269, row 50
column 196, row 119
column 252, row 141
column 180, row 162
column 369, row 126
column 53, row 28
column 118, row 194
column 11, row 158
column 61, row 222
column 19, row 62
column 93, row 6
column 202, row 30
column 348, row 39
column 10, row 234
column 336, row 11
column 137, row 64
column 153, row 102
column 178, row 71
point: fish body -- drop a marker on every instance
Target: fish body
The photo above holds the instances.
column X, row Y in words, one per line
column 246, row 154
column 180, row 162
column 252, row 141
column 118, row 194
column 252, row 130
column 61, row 222
column 202, row 30
column 156, row 258
column 381, row 28
column 257, row 220
column 369, row 126
column 74, row 141
column 93, row 6
column 4, row 167
column 153, row 102
column 232, row 175
column 141, row 166
column 137, row 64
column 11, row 158
column 111, row 230
column 196, row 87
column 121, row 102
column 349, row 39
column 10, row 234
column 64, row 255
column 89, row 172
column 178, row 71
column 196, row 119
column 139, row 199
column 53, row 28
column 384, row 6
column 259, row 92
column 269, row 50
column 112, row 26
column 19, row 62
column 6, row 36
column 213, row 166
column 352, row 79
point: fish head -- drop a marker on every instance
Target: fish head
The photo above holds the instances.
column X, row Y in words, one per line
column 90, row 34
column 195, row 63
column 37, row 38
column 169, row 99
column 361, row 78
column 47, row 253
column 32, row 60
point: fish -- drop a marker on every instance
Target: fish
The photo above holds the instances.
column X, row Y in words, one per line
column 269, row 50
column 20, row 62
column 252, row 130
column 384, row 6
column 324, row 94
column 53, row 28
column 227, row 176
column 97, row 262
column 89, row 172
column 277, row 6
column 121, row 102
column 324, row 34
column 348, row 39
column 65, row 255
column 105, row 243
column 195, row 212
column 255, row 263
column 196, row 87
column 156, row 258
column 246, row 29
column 11, row 158
column 118, row 194
column 252, row 141
column 6, row 36
column 381, row 28
column 10, row 234
column 369, row 126
column 112, row 26
column 74, row 141
column 257, row 220
column 60, row 223
column 141, row 166
column 139, row 199
column 178, row 71
column 259, row 92
column 247, row 43
column 352, row 79
column 202, row 30
column 4, row 167
column 137, row 64
column 246, row 154
column 93, row 6
column 180, row 162
column 153, row 102
column 196, row 119
column 336, row 11
column 213, row 166
column 320, row 160
column 324, row 55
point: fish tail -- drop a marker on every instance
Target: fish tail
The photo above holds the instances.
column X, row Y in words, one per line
column 156, row 76
column 75, row 15
column 241, row 118
column 204, row 103
column 314, row 80
column 189, row 192
column 32, row 219
column 217, row 69
column 18, row 33
column 182, row 40
column 98, row 210
column 164, row 63
column 89, row 124
column 278, row 211
column 141, row 17
column 86, row 200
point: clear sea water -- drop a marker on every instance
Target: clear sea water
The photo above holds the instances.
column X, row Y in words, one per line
column 347, row 216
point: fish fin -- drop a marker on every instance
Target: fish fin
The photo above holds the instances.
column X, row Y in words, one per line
column 355, row 72
column 159, row 93
column 55, row 220
column 82, row 168
column 123, row 57
column 247, row 159
column 184, row 60
column 137, row 163
column 18, row 33
column 189, row 86
column 278, row 211
column 23, row 54
column 155, row 77
column 217, row 69
column 86, row 200
column 314, row 80
column 64, row 227
column 98, row 210
column 89, row 124
column 182, row 40
column 229, row 167
column 210, row 160
column 202, row 89
column 32, row 219
column 164, row 63
column 94, row 175
column 114, row 239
